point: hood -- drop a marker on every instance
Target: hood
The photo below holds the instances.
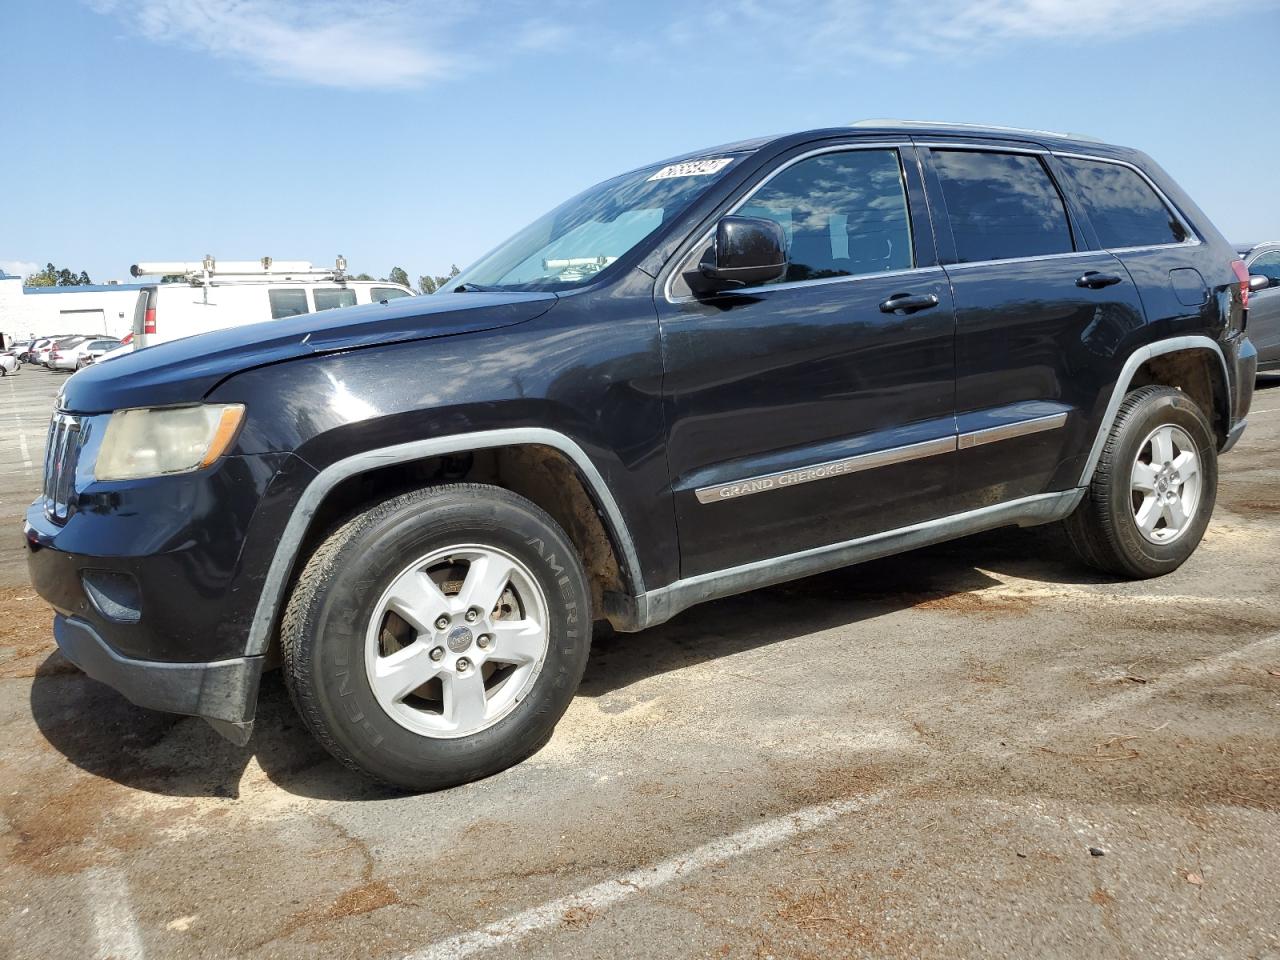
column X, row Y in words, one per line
column 184, row 371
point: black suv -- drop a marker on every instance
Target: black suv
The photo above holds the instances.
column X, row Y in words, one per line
column 724, row 371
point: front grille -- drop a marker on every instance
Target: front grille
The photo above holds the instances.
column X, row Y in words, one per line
column 60, row 459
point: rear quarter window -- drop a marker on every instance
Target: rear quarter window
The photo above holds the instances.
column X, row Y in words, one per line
column 1123, row 208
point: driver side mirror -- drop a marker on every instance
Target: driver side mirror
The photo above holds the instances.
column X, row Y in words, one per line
column 747, row 252
column 1258, row 282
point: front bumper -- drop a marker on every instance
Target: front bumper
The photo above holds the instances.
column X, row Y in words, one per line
column 224, row 692
column 155, row 582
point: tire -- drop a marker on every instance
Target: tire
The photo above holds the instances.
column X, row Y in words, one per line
column 335, row 633
column 1105, row 530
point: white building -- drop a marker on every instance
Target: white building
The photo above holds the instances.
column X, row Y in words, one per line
column 41, row 311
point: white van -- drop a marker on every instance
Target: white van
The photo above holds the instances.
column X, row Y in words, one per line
column 211, row 295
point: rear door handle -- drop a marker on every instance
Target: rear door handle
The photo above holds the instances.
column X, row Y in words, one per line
column 909, row 303
column 1096, row 281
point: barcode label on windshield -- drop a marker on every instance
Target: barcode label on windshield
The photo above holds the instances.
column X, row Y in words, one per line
column 693, row 168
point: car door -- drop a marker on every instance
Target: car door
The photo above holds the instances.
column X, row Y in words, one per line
column 818, row 408
column 1040, row 318
column 1264, row 307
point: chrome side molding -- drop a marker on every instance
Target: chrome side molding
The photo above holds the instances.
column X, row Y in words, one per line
column 824, row 471
column 782, row 479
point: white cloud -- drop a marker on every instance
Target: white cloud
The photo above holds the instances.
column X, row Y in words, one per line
column 19, row 268
column 901, row 30
column 336, row 43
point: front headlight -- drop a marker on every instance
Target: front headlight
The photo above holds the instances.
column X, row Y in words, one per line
column 150, row 443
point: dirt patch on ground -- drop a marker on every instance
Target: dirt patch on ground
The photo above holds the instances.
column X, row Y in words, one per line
column 982, row 604
column 66, row 829
column 26, row 638
column 819, row 919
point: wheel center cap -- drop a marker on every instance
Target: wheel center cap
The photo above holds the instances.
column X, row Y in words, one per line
column 459, row 639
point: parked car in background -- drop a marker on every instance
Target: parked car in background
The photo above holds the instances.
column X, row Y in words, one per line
column 19, row 350
column 55, row 358
column 1263, row 263
column 80, row 355
column 720, row 372
column 8, row 364
column 121, row 349
column 214, row 295
column 40, row 347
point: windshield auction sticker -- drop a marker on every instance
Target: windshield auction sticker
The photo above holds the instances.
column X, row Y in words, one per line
column 693, row 168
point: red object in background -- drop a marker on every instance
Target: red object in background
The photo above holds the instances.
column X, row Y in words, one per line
column 1242, row 274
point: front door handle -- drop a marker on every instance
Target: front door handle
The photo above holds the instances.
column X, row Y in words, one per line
column 909, row 303
column 1096, row 281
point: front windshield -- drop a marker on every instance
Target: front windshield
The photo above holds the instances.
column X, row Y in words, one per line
column 569, row 246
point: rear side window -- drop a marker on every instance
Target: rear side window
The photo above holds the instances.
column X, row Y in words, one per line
column 290, row 302
column 331, row 299
column 1002, row 205
column 843, row 214
column 1121, row 205
column 386, row 293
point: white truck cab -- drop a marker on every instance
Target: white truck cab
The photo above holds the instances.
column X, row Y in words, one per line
column 200, row 296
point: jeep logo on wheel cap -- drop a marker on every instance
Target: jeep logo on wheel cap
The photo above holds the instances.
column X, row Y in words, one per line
column 459, row 639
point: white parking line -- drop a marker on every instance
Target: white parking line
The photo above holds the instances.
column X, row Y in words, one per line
column 520, row 926
column 603, row 895
column 22, row 434
column 115, row 929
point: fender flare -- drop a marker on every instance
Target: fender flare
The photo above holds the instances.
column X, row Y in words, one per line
column 1136, row 360
column 286, row 555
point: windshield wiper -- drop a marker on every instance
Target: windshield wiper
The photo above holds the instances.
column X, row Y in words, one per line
column 472, row 288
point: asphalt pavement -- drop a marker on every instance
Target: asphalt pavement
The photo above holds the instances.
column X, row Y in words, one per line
column 980, row 749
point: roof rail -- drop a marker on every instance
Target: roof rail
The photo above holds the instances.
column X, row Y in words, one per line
column 968, row 127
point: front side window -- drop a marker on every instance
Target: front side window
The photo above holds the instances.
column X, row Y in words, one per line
column 844, row 214
column 1124, row 210
column 332, row 299
column 572, row 244
column 288, row 302
column 1267, row 265
column 1001, row 206
column 378, row 294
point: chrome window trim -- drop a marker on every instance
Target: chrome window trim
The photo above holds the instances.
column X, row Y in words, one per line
column 896, row 145
column 891, row 456
column 961, row 146
column 1073, row 255
column 1193, row 238
column 291, row 540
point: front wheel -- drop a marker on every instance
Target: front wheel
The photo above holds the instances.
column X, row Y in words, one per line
column 438, row 637
column 1154, row 488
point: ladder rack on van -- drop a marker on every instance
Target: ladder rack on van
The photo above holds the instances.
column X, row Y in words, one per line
column 207, row 272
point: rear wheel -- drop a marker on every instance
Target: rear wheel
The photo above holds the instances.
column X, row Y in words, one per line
column 1154, row 489
column 438, row 637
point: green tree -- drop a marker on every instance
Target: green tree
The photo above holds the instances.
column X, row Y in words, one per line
column 399, row 276
column 432, row 284
column 362, row 276
column 52, row 276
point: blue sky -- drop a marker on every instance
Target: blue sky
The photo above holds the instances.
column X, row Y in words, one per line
column 419, row 134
